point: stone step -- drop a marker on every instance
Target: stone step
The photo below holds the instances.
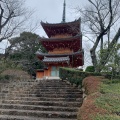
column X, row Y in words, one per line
column 10, row 117
column 40, row 87
column 45, row 95
column 23, row 82
column 42, row 92
column 35, row 113
column 35, row 81
column 59, row 90
column 52, row 83
column 26, row 80
column 30, row 80
column 69, row 95
column 45, row 103
column 39, row 100
column 37, row 107
column 16, row 89
column 45, row 90
column 19, row 86
column 44, row 99
column 56, row 87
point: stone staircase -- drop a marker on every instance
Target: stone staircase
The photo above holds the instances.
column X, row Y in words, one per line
column 39, row 100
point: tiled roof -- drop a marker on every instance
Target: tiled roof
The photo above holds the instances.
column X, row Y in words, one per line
column 69, row 38
column 56, row 59
column 38, row 53
column 59, row 24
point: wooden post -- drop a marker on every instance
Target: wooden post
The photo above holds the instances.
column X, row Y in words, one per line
column 39, row 73
column 46, row 72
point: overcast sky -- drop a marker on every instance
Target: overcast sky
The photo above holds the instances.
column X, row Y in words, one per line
column 51, row 11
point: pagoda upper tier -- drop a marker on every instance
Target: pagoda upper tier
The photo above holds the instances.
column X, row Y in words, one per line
column 73, row 43
column 59, row 29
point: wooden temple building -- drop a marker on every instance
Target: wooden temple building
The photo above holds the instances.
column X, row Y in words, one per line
column 64, row 46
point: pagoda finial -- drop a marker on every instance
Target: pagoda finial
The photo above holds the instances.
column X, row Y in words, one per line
column 64, row 10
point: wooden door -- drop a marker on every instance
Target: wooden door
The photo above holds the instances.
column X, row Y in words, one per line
column 55, row 71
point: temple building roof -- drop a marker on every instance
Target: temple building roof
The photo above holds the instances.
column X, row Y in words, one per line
column 41, row 55
column 74, row 59
column 75, row 22
column 62, row 28
column 73, row 43
column 56, row 59
column 69, row 38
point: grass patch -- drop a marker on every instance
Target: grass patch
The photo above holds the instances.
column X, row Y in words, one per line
column 109, row 102
column 107, row 117
column 112, row 87
column 110, row 99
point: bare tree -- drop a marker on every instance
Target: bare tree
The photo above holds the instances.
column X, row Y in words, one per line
column 100, row 18
column 13, row 16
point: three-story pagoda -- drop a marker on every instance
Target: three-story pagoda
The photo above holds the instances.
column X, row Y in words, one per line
column 64, row 46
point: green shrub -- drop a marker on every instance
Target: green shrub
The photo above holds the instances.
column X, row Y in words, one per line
column 1, row 77
column 109, row 75
column 5, row 78
column 90, row 69
column 74, row 76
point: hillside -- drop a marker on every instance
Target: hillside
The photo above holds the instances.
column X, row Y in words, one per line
column 102, row 101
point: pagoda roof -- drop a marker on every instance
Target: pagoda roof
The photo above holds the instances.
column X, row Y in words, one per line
column 41, row 55
column 69, row 38
column 52, row 29
column 74, row 43
column 60, row 24
column 56, row 59
column 74, row 59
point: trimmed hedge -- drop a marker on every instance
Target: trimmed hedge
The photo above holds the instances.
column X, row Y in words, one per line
column 74, row 76
column 90, row 69
column 109, row 75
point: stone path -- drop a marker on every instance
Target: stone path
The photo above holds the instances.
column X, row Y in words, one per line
column 39, row 100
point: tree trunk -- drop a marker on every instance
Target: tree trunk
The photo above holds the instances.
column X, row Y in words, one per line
column 93, row 50
column 106, row 56
column 101, row 47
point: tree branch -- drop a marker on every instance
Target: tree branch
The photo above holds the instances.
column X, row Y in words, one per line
column 7, row 20
column 1, row 15
column 110, row 49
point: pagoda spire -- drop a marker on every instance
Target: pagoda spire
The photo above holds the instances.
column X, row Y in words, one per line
column 64, row 11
